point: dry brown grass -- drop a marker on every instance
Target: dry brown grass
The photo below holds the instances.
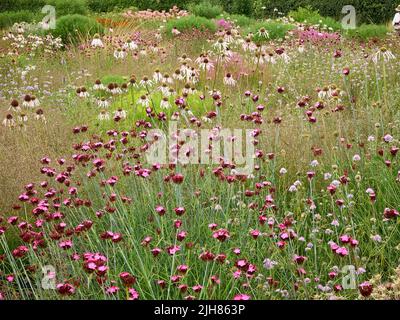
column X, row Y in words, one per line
column 21, row 150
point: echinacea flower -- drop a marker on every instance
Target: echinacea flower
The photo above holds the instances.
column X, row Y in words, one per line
column 157, row 76
column 14, row 106
column 130, row 45
column 144, row 101
column 206, row 64
column 166, row 79
column 22, row 117
column 220, row 45
column 229, row 81
column 145, row 82
column 383, row 54
column 98, row 85
column 120, row 113
column 164, row 103
column 175, row 31
column 263, row 33
column 120, row 54
column 39, row 115
column 96, row 42
column 179, row 74
column 28, row 102
column 8, row 121
column 114, row 88
column 82, row 92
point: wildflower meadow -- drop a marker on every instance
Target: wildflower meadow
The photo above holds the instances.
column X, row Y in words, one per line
column 198, row 152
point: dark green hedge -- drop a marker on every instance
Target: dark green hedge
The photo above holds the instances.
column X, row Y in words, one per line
column 109, row 5
column 368, row 11
column 15, row 5
column 97, row 5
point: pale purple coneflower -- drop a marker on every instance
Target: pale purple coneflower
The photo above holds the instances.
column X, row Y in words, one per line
column 229, row 80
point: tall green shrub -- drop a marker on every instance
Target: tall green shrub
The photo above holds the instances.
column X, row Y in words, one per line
column 276, row 30
column 8, row 18
column 190, row 22
column 75, row 27
column 64, row 7
column 241, row 20
column 205, row 9
column 312, row 17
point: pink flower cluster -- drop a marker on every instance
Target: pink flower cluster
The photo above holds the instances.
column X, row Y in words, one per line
column 155, row 14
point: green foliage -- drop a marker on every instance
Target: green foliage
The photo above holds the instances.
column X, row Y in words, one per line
column 368, row 31
column 16, row 5
column 372, row 11
column 241, row 20
column 205, row 9
column 312, row 17
column 8, row 18
column 276, row 30
column 72, row 28
column 113, row 79
column 68, row 7
column 304, row 14
column 189, row 23
column 368, row 11
column 258, row 9
column 242, row 7
column 328, row 22
column 28, row 10
column 109, row 5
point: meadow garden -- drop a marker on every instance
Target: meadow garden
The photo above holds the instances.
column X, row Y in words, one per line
column 89, row 88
